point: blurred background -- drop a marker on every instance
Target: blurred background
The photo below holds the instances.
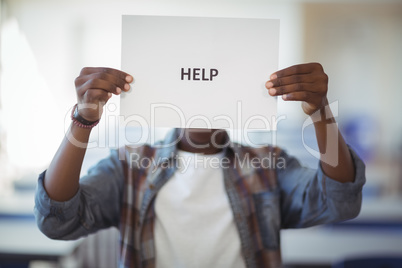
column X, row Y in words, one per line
column 45, row 43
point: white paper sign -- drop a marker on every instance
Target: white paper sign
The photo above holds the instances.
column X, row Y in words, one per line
column 199, row 72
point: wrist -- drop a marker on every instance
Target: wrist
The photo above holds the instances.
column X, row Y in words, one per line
column 80, row 121
column 78, row 136
column 323, row 115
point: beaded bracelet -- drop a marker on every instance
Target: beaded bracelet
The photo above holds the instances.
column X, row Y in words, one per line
column 78, row 120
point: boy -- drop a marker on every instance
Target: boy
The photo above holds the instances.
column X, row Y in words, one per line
column 174, row 212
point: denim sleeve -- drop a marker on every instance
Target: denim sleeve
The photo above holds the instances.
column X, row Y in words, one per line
column 95, row 206
column 309, row 197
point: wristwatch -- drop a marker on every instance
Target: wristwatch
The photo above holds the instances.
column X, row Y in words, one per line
column 81, row 121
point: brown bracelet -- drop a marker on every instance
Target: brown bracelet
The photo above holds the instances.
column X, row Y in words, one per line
column 81, row 121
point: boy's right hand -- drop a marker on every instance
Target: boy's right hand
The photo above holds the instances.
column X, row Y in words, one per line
column 95, row 86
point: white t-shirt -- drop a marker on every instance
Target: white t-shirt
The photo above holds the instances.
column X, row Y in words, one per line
column 194, row 224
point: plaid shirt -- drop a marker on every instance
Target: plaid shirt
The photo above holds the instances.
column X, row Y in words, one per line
column 267, row 190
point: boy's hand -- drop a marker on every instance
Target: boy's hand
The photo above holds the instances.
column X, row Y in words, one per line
column 305, row 82
column 95, row 86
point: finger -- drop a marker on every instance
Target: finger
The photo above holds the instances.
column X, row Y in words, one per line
column 122, row 75
column 98, row 80
column 297, row 69
column 299, row 96
column 294, row 79
column 99, row 85
column 276, row 91
column 96, row 96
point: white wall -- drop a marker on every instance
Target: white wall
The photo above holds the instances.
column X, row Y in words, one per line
column 60, row 37
column 360, row 47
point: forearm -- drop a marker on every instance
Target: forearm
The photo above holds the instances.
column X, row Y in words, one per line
column 94, row 86
column 309, row 83
column 335, row 158
column 62, row 177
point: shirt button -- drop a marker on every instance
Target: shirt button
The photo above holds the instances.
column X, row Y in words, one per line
column 151, row 186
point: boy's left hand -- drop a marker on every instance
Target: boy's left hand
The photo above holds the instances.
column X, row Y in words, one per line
column 305, row 82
